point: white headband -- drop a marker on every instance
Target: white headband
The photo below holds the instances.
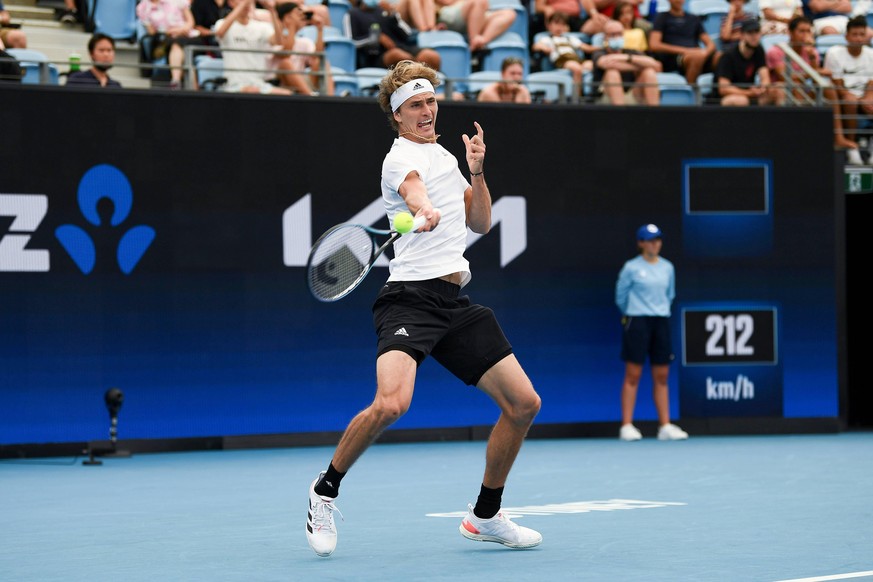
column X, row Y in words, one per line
column 407, row 90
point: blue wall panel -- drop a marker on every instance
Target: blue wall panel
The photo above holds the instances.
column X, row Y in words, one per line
column 209, row 329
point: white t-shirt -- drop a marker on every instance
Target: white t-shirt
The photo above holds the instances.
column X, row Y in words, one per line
column 855, row 72
column 783, row 8
column 254, row 35
column 428, row 255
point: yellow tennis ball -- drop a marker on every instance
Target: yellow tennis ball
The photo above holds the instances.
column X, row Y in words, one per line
column 402, row 222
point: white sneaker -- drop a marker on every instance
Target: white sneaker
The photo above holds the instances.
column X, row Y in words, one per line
column 629, row 432
column 671, row 432
column 320, row 528
column 498, row 529
column 853, row 157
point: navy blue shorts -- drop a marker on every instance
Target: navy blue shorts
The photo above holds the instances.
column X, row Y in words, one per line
column 646, row 336
column 423, row 318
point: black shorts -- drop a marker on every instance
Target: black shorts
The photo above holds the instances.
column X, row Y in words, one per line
column 646, row 336
column 674, row 63
column 424, row 318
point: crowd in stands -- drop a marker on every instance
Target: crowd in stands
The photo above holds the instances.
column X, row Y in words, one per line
column 614, row 50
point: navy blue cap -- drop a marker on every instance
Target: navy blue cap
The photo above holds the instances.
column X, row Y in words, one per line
column 648, row 232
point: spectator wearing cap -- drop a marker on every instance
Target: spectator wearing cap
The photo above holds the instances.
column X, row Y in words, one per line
column 732, row 24
column 742, row 75
column 644, row 294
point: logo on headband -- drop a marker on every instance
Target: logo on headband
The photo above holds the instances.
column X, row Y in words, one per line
column 417, row 86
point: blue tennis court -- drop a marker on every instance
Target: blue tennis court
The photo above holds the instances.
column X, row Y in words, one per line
column 758, row 508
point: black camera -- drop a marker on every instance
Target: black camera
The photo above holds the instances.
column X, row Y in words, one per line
column 307, row 15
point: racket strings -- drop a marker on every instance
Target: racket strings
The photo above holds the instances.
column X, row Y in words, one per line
column 339, row 260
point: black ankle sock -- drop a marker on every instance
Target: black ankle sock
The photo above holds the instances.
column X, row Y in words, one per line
column 488, row 503
column 328, row 485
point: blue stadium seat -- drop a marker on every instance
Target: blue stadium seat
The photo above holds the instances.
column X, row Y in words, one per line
column 339, row 48
column 116, row 18
column 478, row 80
column 35, row 67
column 345, row 84
column 338, row 9
column 368, row 80
column 508, row 44
column 454, row 53
column 675, row 90
column 551, row 86
column 210, row 72
column 711, row 13
column 522, row 18
column 769, row 40
column 825, row 41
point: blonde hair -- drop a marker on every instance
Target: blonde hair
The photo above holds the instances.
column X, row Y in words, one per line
column 399, row 75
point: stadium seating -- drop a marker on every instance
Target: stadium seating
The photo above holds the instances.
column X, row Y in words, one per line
column 825, row 41
column 508, row 44
column 339, row 48
column 35, row 67
column 115, row 18
column 368, row 80
column 711, row 13
column 454, row 53
column 675, row 90
column 769, row 40
column 522, row 18
column 478, row 80
column 210, row 72
column 551, row 86
column 345, row 84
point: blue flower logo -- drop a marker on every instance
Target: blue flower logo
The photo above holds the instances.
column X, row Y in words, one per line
column 105, row 181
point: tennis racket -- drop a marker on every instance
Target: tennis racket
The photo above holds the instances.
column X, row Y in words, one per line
column 342, row 257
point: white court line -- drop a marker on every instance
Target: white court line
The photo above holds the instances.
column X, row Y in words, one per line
column 834, row 577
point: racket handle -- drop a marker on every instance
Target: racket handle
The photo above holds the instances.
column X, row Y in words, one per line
column 419, row 221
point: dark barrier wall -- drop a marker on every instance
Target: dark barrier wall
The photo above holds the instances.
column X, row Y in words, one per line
column 156, row 243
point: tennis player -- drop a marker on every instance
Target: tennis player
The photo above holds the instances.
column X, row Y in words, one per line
column 420, row 311
column 644, row 292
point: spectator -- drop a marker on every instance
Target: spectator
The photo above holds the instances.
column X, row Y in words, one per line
column 419, row 14
column 644, row 294
column 510, row 89
column 11, row 35
column 292, row 18
column 475, row 20
column 543, row 10
column 739, row 68
column 617, row 69
column 564, row 50
column 206, row 13
column 788, row 74
column 10, row 70
column 635, row 36
column 851, row 67
column 70, row 13
column 828, row 16
column 602, row 11
column 777, row 14
column 101, row 48
column 675, row 41
column 170, row 24
column 731, row 25
column 246, row 71
column 391, row 42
